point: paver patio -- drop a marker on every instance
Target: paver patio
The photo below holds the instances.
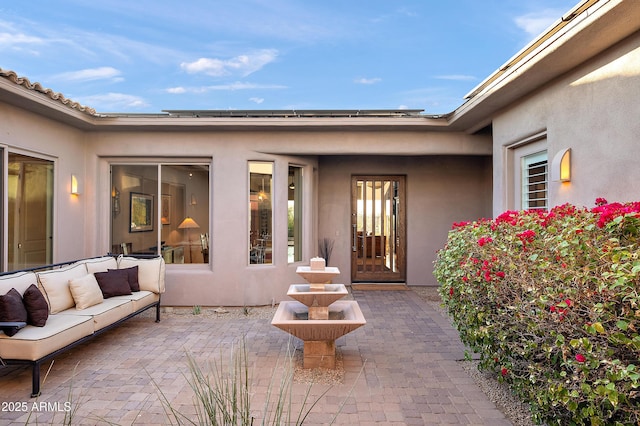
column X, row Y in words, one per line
column 400, row 369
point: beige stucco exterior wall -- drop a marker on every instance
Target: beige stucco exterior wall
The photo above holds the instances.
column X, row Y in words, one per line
column 33, row 135
column 593, row 110
column 229, row 280
column 440, row 190
column 82, row 223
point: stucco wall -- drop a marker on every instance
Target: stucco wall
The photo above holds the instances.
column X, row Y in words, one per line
column 440, row 190
column 228, row 279
column 594, row 111
column 33, row 135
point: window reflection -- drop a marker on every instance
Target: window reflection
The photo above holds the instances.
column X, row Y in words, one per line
column 260, row 212
column 170, row 219
column 294, row 214
column 29, row 211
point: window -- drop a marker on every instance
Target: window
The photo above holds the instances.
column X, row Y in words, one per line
column 294, row 215
column 30, row 212
column 260, row 212
column 534, row 181
column 161, row 209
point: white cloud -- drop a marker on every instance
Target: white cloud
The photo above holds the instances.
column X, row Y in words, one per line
column 8, row 39
column 240, row 65
column 364, row 80
column 536, row 22
column 113, row 101
column 456, row 77
column 176, row 90
column 257, row 100
column 91, row 74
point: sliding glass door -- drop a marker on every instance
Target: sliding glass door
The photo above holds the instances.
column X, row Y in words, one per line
column 30, row 212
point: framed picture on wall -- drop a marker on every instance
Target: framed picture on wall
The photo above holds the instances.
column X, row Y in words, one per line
column 165, row 209
column 141, row 215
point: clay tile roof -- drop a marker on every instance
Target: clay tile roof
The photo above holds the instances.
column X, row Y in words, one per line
column 24, row 82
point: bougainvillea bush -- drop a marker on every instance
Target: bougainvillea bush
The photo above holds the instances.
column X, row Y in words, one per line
column 550, row 302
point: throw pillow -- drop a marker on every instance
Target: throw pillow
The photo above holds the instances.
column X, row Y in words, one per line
column 132, row 274
column 150, row 272
column 55, row 284
column 12, row 310
column 113, row 283
column 86, row 291
column 36, row 305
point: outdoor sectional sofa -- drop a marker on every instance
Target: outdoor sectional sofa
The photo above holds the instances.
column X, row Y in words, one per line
column 68, row 304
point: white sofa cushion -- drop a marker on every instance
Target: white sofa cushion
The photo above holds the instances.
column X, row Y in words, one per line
column 32, row 343
column 140, row 299
column 100, row 264
column 85, row 291
column 20, row 281
column 150, row 272
column 105, row 313
column 55, row 284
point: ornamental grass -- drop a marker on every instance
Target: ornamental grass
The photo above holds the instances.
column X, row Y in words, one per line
column 550, row 302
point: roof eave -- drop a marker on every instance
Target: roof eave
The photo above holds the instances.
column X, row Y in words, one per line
column 45, row 105
column 294, row 123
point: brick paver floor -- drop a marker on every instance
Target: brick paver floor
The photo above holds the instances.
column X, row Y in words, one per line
column 399, row 369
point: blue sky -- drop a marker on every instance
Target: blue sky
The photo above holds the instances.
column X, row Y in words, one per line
column 143, row 56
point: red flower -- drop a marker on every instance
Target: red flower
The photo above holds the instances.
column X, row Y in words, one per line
column 451, row 291
column 510, row 217
column 504, row 371
column 484, row 240
column 601, row 201
column 459, row 224
column 580, row 358
column 500, row 274
column 527, row 235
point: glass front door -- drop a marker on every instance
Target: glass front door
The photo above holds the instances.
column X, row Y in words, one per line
column 378, row 229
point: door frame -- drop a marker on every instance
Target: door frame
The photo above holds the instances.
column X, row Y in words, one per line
column 379, row 272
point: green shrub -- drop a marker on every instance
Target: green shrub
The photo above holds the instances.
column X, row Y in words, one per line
column 550, row 302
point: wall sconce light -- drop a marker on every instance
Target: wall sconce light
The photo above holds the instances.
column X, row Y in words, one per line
column 561, row 166
column 75, row 186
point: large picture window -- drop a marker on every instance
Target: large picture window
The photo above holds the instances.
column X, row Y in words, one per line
column 161, row 209
column 260, row 212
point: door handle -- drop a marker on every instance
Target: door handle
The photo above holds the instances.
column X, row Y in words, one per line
column 354, row 247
